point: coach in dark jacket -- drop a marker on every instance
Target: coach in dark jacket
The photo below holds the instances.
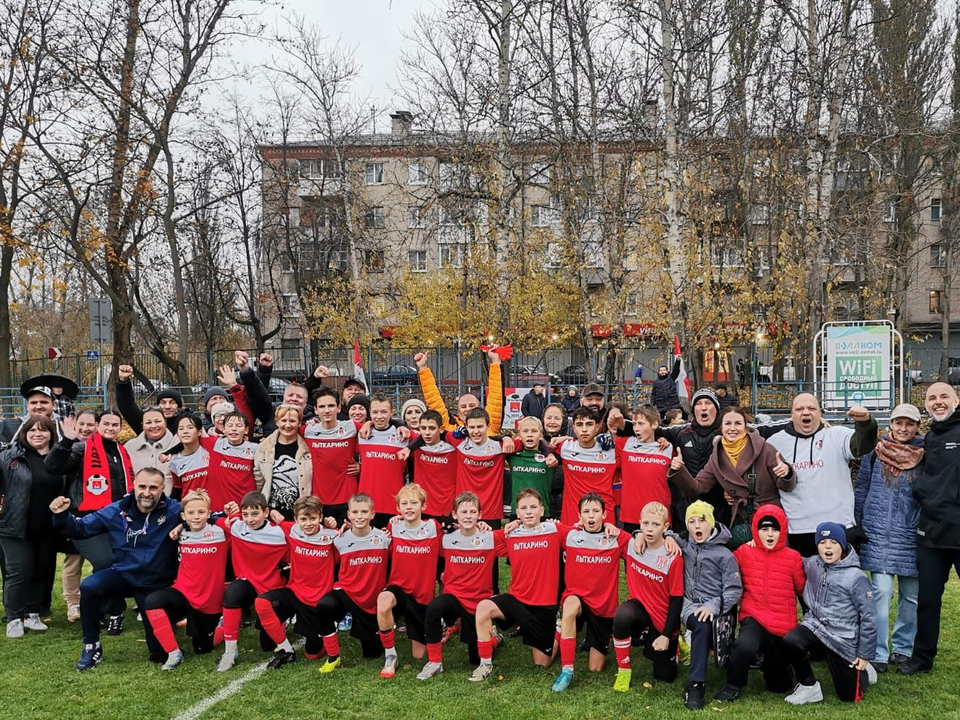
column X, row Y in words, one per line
column 29, row 547
column 664, row 394
column 937, row 489
column 534, row 402
column 144, row 555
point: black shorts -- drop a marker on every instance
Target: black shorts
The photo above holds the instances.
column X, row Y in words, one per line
column 200, row 625
column 414, row 612
column 335, row 605
column 286, row 605
column 538, row 623
column 599, row 629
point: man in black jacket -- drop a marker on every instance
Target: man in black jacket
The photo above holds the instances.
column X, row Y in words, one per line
column 663, row 395
column 937, row 489
column 534, row 402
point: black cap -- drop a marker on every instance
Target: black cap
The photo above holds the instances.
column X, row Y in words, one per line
column 354, row 381
column 768, row 522
column 592, row 389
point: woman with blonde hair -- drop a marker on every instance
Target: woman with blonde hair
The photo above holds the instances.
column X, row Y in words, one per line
column 281, row 466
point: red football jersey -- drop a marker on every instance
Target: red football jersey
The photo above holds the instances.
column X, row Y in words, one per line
column 257, row 554
column 592, row 569
column 643, row 472
column 381, row 472
column 534, row 555
column 469, row 563
column 435, row 470
column 653, row 578
column 586, row 470
column 363, row 566
column 230, row 474
column 189, row 472
column 480, row 470
column 331, row 452
column 413, row 558
column 312, row 560
column 203, row 565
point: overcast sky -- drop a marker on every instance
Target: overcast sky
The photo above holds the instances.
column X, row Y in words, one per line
column 374, row 29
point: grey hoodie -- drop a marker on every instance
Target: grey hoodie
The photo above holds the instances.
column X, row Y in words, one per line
column 840, row 606
column 711, row 575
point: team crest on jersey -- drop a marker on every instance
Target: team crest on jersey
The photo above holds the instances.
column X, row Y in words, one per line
column 477, row 541
column 393, row 438
column 601, row 455
column 539, row 458
column 97, row 484
column 375, row 540
column 423, row 532
column 208, row 534
column 661, row 562
column 340, row 431
column 604, row 541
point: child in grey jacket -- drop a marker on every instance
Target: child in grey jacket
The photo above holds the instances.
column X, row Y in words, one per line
column 841, row 619
column 711, row 586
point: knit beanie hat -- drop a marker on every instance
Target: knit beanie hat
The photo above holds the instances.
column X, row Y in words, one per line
column 359, row 400
column 413, row 402
column 768, row 521
column 832, row 531
column 171, row 394
column 222, row 408
column 703, row 510
column 707, row 393
column 212, row 393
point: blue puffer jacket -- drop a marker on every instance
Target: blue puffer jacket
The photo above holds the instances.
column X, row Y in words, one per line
column 840, row 609
column 143, row 552
column 887, row 512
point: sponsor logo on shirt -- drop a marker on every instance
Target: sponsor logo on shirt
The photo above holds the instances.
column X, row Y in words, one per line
column 435, row 459
column 594, row 559
column 311, row 552
column 641, row 570
column 586, row 469
column 648, row 459
column 366, row 560
column 198, row 550
column 413, row 549
column 531, row 545
column 234, row 465
column 478, row 463
column 467, row 559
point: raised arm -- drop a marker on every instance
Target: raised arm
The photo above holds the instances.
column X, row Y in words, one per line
column 494, row 405
column 428, row 386
column 258, row 398
column 126, row 402
column 864, row 438
column 675, row 373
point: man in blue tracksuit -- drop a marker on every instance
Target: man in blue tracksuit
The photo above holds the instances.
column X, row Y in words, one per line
column 144, row 556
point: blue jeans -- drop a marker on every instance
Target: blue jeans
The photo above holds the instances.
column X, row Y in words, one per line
column 905, row 626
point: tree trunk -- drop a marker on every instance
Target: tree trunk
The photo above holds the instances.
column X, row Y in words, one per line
column 6, row 344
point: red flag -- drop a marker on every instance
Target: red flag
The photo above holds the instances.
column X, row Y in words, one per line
column 683, row 382
column 358, row 373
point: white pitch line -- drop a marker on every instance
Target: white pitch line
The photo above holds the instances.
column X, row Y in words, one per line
column 226, row 691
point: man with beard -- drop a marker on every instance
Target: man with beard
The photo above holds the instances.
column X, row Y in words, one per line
column 144, row 555
column 821, row 458
column 611, row 418
column 664, row 395
column 695, row 440
column 937, row 489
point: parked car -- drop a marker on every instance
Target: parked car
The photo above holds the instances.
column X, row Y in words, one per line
column 574, row 375
column 277, row 388
column 953, row 370
column 528, row 373
column 395, row 375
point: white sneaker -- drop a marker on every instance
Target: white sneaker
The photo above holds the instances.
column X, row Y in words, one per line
column 389, row 666
column 228, row 660
column 803, row 694
column 482, row 672
column 15, row 628
column 429, row 670
column 73, row 613
column 33, row 622
column 871, row 674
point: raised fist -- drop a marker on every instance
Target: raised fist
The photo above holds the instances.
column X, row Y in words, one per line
column 124, row 372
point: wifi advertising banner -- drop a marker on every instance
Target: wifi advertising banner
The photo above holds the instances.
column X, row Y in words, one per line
column 858, row 367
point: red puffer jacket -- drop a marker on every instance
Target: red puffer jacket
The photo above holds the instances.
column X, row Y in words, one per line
column 772, row 579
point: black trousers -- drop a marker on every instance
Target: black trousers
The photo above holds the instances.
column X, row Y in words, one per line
column 849, row 683
column 200, row 626
column 240, row 595
column 701, row 640
column 933, row 567
column 448, row 608
column 31, row 564
column 754, row 639
column 632, row 620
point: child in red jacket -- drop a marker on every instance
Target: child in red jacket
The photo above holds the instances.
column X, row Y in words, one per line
column 773, row 578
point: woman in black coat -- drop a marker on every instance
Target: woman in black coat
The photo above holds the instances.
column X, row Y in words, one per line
column 27, row 540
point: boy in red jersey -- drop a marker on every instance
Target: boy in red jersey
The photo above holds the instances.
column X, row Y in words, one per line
column 363, row 551
column 189, row 467
column 533, row 549
column 655, row 583
column 230, row 471
column 258, row 548
column 589, row 464
column 592, row 575
column 312, row 560
column 333, row 452
column 197, row 593
column 382, row 471
column 773, row 578
column 469, row 557
column 414, row 552
column 643, row 468
column 435, row 467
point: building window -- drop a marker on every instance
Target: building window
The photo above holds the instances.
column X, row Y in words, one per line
column 632, row 304
column 760, row 214
column 323, row 168
column 416, row 217
column 418, row 260
column 934, row 302
column 450, row 215
column 416, row 174
column 373, row 218
column 554, row 255
column 540, row 215
column 374, row 173
column 539, row 173
column 339, row 260
column 291, row 305
column 373, row 261
column 451, row 255
column 938, row 257
column 725, row 256
column 290, row 349
column 593, row 254
column 935, row 209
column 890, row 211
